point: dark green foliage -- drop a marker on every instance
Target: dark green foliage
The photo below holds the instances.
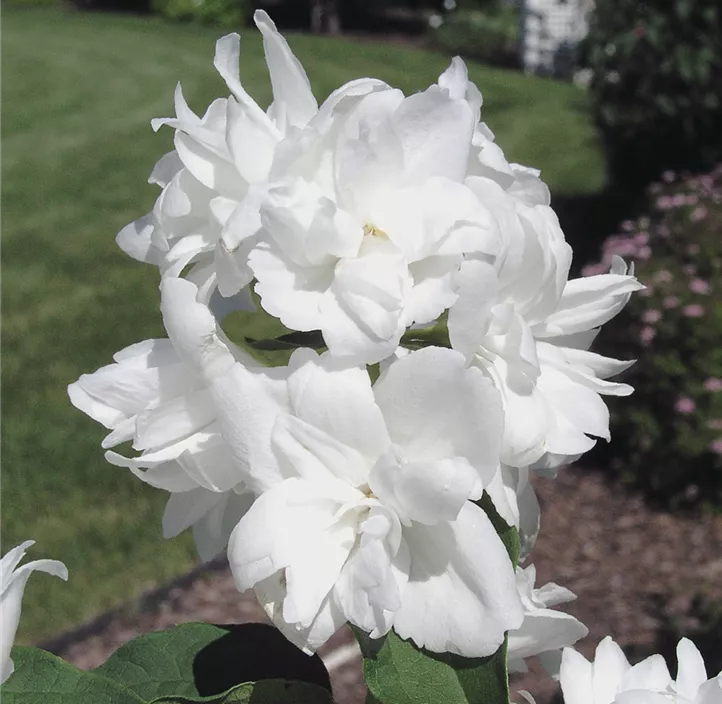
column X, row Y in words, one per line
column 489, row 35
column 657, row 85
column 228, row 14
column 188, row 664
column 667, row 437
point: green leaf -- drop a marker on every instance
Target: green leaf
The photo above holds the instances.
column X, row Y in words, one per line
column 508, row 534
column 43, row 678
column 263, row 692
column 161, row 663
column 396, row 672
column 201, row 660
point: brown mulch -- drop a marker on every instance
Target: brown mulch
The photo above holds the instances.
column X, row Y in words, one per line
column 634, row 571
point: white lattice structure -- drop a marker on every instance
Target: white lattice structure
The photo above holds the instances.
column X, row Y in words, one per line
column 550, row 33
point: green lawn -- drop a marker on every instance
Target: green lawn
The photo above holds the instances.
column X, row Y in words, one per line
column 79, row 91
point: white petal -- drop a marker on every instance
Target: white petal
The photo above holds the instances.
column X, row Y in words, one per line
column 313, row 454
column 13, row 583
column 250, row 143
column 192, row 328
column 710, row 692
column 610, row 667
column 271, row 593
column 291, row 86
column 363, row 315
column 426, row 492
column 337, row 399
column 212, row 531
column 294, row 527
column 435, row 133
column 463, row 563
column 174, row 420
column 227, row 56
column 248, row 403
column 135, row 240
column 470, row 316
column 436, row 409
column 165, row 169
column 544, row 630
column 691, row 672
column 183, row 509
column 288, row 291
column 575, row 676
column 588, row 303
column 651, row 673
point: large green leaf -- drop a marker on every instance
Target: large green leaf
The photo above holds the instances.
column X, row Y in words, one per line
column 161, row 663
column 43, row 678
column 201, row 660
column 263, row 692
column 399, row 673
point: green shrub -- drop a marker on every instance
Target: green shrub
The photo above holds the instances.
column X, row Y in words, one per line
column 228, row 14
column 657, row 85
column 490, row 35
column 667, row 437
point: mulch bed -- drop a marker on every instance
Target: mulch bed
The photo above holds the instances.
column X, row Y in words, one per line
column 636, row 572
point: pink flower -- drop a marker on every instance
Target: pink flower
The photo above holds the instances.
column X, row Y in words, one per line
column 713, row 384
column 679, row 199
column 693, row 249
column 692, row 199
column 651, row 316
column 627, row 226
column 663, row 231
column 665, row 202
column 693, row 311
column 684, row 405
column 668, row 176
column 689, row 269
column 716, row 447
column 644, row 252
column 646, row 292
column 699, row 213
column 595, row 269
column 699, row 286
column 670, row 302
column 646, row 335
column 663, row 277
column 641, row 238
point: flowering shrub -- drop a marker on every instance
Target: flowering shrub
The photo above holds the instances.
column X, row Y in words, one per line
column 668, row 435
column 657, row 85
column 433, row 355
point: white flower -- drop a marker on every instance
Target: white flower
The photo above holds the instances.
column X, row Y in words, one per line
column 544, row 631
column 435, row 20
column 528, row 328
column 610, row 679
column 12, row 587
column 213, row 182
column 366, row 239
column 372, row 521
column 158, row 394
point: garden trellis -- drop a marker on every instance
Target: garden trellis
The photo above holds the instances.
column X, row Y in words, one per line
column 550, row 33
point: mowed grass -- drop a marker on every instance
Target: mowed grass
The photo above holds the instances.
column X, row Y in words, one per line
column 79, row 91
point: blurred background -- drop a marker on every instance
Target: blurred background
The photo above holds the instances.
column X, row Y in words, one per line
column 618, row 102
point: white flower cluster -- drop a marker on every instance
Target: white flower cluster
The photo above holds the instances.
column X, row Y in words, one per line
column 610, row 679
column 368, row 222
